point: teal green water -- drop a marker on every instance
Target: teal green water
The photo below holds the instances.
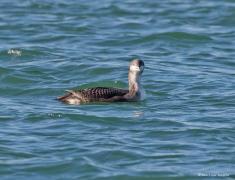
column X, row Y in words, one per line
column 184, row 129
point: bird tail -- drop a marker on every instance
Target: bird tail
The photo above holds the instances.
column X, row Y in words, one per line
column 70, row 98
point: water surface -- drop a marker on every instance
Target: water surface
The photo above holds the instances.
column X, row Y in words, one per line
column 184, row 129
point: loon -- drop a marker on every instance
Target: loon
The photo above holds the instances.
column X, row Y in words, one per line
column 109, row 94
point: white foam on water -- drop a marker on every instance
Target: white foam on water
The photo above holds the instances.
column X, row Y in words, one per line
column 14, row 52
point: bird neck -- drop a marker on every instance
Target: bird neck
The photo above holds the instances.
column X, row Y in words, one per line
column 134, row 84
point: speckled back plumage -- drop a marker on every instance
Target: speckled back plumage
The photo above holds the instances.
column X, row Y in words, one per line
column 101, row 94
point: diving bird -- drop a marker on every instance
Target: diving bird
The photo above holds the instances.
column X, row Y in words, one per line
column 110, row 94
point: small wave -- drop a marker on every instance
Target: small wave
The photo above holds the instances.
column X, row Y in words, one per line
column 175, row 36
column 14, row 52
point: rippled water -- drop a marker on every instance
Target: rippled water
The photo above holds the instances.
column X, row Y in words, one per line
column 183, row 130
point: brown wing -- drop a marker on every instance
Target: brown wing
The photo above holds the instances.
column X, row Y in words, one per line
column 102, row 92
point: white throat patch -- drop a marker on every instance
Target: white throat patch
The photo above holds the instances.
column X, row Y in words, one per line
column 134, row 68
